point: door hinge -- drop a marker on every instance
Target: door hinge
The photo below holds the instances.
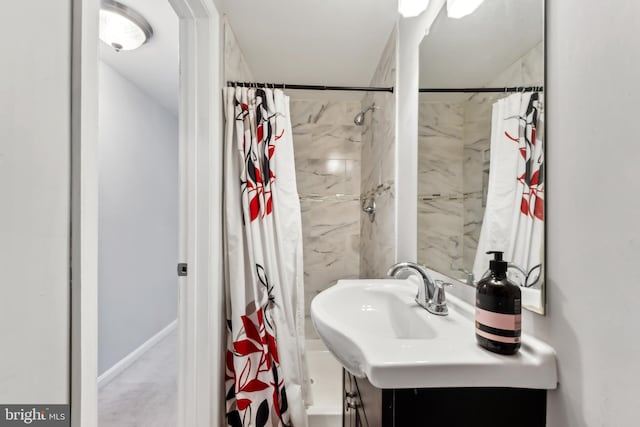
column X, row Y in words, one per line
column 182, row 269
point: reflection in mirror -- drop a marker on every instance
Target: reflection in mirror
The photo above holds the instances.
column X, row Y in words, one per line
column 481, row 144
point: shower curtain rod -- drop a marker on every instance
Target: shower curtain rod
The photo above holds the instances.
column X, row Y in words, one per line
column 311, row 87
column 484, row 89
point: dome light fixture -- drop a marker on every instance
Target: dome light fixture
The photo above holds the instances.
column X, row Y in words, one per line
column 121, row 27
column 460, row 8
column 411, row 8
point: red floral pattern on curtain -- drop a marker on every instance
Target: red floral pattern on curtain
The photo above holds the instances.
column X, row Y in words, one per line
column 532, row 176
column 254, row 383
column 259, row 174
column 253, row 367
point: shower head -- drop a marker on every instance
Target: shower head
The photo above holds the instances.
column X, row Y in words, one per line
column 359, row 118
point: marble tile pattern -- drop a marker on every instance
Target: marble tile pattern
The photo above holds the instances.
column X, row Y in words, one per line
column 146, row 393
column 440, row 148
column 235, row 65
column 377, row 252
column 327, row 146
column 440, row 234
column 440, row 186
column 377, row 249
column 477, row 139
column 473, row 217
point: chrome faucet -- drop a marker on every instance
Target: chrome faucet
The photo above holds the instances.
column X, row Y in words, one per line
column 431, row 295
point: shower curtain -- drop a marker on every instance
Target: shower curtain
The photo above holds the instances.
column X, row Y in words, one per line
column 266, row 376
column 514, row 215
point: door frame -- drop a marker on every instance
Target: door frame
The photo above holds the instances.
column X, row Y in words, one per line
column 201, row 296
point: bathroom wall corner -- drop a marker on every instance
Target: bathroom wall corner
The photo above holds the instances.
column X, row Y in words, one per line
column 377, row 237
column 235, row 64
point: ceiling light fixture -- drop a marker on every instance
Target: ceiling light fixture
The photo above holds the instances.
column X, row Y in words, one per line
column 411, row 8
column 122, row 27
column 460, row 8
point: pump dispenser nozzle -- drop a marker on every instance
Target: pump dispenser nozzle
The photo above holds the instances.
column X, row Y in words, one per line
column 497, row 265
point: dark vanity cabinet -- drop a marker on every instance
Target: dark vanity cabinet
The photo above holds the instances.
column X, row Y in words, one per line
column 367, row 406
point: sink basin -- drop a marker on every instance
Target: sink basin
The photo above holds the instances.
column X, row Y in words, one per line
column 383, row 309
column 376, row 330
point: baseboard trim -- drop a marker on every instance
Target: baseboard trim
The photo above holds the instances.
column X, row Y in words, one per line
column 136, row 354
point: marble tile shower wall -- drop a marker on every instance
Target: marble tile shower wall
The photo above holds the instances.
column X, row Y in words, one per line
column 377, row 249
column 440, row 186
column 327, row 148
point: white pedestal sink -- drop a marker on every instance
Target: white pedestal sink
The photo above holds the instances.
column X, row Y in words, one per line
column 375, row 329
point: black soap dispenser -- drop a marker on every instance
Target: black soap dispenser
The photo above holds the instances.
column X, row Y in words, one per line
column 498, row 309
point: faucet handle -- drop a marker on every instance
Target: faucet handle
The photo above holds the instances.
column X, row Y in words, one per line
column 439, row 296
column 470, row 278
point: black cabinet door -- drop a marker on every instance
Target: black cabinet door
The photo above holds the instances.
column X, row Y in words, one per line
column 367, row 406
column 464, row 407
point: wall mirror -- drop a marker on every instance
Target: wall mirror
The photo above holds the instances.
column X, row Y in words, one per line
column 481, row 168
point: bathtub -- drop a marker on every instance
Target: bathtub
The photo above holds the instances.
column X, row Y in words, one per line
column 325, row 373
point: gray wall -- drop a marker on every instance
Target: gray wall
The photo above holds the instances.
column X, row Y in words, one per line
column 34, row 201
column 138, row 218
column 593, row 233
column 593, row 237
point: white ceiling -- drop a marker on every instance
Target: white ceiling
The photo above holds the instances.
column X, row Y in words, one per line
column 336, row 42
column 472, row 51
column 154, row 66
